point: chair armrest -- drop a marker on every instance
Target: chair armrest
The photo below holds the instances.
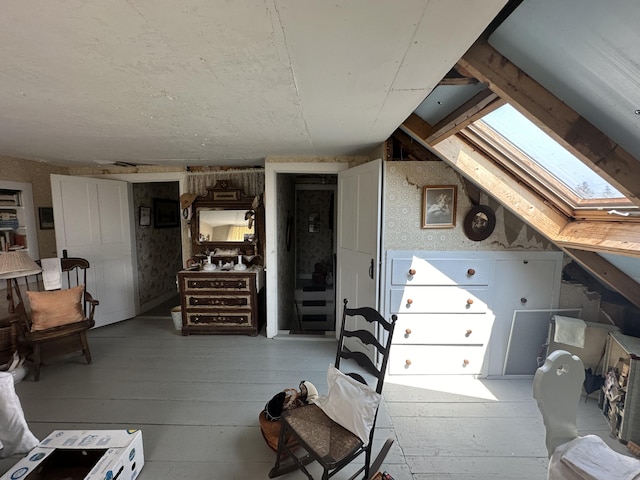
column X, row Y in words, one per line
column 93, row 303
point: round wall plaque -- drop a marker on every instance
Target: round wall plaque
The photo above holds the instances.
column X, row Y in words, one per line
column 479, row 223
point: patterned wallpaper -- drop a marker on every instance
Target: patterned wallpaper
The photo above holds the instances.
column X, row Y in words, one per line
column 159, row 250
column 36, row 173
column 313, row 246
column 403, row 214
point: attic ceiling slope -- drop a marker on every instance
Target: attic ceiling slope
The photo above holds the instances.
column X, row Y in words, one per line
column 217, row 82
column 556, row 118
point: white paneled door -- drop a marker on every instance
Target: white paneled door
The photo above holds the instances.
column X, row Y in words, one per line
column 359, row 200
column 92, row 221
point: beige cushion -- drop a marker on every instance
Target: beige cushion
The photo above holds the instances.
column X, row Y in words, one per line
column 58, row 307
column 350, row 403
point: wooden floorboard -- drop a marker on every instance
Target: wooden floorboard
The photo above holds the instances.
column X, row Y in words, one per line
column 197, row 398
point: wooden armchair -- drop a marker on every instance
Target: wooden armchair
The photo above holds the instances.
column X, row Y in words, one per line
column 57, row 321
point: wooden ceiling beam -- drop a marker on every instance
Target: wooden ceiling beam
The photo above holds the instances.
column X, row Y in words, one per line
column 413, row 148
column 607, row 273
column 481, row 104
column 556, row 118
column 419, row 127
column 606, row 237
column 502, row 186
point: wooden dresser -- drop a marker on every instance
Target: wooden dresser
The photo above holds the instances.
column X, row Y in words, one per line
column 222, row 302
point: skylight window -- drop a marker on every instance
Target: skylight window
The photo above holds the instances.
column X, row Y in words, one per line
column 550, row 163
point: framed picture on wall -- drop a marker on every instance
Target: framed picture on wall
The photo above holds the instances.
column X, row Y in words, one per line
column 166, row 213
column 145, row 216
column 45, row 215
column 439, row 206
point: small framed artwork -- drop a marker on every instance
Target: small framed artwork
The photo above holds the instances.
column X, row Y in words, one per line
column 479, row 223
column 439, row 206
column 166, row 213
column 45, row 215
column 145, row 216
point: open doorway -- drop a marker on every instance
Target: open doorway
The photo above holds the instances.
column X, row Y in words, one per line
column 158, row 247
column 315, row 254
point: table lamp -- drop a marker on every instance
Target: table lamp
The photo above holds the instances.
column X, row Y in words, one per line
column 14, row 265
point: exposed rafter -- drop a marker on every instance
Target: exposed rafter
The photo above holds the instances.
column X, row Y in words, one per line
column 607, row 273
column 565, row 125
column 481, row 104
column 413, row 148
column 503, row 186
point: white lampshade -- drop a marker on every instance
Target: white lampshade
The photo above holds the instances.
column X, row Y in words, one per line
column 17, row 264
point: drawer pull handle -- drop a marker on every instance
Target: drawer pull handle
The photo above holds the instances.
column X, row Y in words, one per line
column 471, row 272
column 409, row 301
column 465, row 362
column 470, row 301
column 412, row 271
column 523, row 300
column 407, row 362
column 408, row 331
column 469, row 332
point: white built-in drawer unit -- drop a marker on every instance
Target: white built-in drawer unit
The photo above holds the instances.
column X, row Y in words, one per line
column 443, row 320
column 455, row 309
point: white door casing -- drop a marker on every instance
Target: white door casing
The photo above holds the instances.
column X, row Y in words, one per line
column 92, row 221
column 358, row 231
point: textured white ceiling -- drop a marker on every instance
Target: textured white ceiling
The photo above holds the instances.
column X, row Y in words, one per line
column 220, row 81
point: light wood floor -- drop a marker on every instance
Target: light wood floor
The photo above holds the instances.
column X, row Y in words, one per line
column 196, row 400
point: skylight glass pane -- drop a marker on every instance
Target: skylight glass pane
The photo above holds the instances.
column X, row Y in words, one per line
column 579, row 179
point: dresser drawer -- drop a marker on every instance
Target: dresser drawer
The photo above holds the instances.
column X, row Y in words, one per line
column 436, row 359
column 438, row 300
column 419, row 271
column 219, row 300
column 192, row 284
column 446, row 328
column 219, row 319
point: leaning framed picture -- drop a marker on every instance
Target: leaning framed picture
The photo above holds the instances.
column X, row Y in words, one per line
column 439, row 206
column 166, row 213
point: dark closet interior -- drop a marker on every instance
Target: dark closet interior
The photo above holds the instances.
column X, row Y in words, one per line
column 314, row 232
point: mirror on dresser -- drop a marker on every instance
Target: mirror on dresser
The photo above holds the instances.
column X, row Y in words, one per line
column 222, row 290
column 226, row 224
